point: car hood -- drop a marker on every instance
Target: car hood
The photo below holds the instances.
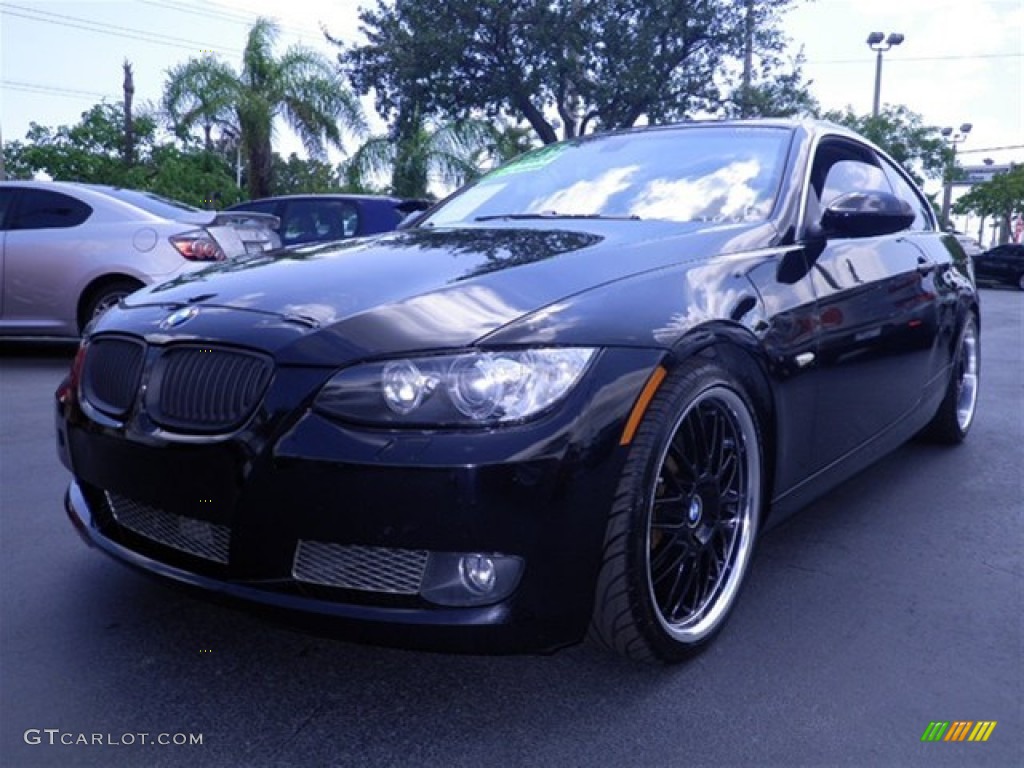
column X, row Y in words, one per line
column 426, row 289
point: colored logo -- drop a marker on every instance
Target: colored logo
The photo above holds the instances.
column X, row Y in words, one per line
column 179, row 317
column 958, row 730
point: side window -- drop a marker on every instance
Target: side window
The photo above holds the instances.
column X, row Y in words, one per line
column 44, row 209
column 309, row 221
column 902, row 188
column 852, row 176
column 342, row 219
column 6, row 199
column 299, row 224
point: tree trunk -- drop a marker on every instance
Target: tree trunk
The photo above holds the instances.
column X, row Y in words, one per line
column 128, row 149
column 260, row 156
column 748, row 60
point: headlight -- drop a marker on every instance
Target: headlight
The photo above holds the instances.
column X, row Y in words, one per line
column 476, row 388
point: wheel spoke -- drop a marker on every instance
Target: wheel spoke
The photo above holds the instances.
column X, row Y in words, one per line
column 668, row 515
column 680, row 454
column 668, row 557
column 685, row 583
column 715, row 443
column 696, row 453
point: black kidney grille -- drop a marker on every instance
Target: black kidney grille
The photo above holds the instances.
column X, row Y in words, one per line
column 206, row 389
column 110, row 379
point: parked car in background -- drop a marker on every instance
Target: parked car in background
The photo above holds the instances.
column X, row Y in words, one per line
column 1002, row 264
column 69, row 251
column 322, row 218
column 567, row 399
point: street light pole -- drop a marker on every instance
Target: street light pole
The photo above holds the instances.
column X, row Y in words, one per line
column 878, row 42
column 953, row 138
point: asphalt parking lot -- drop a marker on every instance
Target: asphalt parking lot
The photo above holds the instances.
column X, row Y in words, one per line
column 895, row 601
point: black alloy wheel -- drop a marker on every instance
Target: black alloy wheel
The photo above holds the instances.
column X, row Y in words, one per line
column 683, row 527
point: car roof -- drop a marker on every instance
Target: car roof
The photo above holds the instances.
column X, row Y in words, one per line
column 323, row 196
column 102, row 198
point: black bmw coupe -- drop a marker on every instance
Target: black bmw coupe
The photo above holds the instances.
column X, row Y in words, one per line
column 568, row 398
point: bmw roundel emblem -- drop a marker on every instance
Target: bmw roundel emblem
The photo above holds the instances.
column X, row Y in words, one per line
column 179, row 317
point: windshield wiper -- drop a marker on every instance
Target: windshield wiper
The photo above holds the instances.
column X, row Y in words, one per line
column 555, row 215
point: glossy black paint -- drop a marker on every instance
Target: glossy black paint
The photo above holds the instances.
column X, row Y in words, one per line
column 845, row 342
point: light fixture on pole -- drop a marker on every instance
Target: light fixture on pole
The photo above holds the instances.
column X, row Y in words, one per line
column 878, row 42
column 953, row 137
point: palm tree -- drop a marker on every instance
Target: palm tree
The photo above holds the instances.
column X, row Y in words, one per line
column 201, row 91
column 507, row 142
column 301, row 85
column 419, row 154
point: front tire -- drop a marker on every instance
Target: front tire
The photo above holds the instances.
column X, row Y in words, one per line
column 684, row 521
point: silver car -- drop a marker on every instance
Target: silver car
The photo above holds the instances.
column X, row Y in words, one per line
column 70, row 251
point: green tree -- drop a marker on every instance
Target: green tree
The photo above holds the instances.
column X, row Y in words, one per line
column 89, row 151
column 1000, row 198
column 295, row 176
column 776, row 89
column 201, row 92
column 14, row 163
column 419, row 155
column 300, row 85
column 197, row 177
column 596, row 65
column 901, row 132
column 506, row 142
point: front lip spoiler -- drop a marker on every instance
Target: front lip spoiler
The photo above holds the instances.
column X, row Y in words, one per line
column 486, row 629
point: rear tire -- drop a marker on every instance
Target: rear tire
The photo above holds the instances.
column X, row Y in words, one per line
column 102, row 298
column 684, row 521
column 953, row 420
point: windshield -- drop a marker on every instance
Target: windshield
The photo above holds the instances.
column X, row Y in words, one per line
column 702, row 173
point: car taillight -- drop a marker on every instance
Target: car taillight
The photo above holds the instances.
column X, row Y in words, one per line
column 198, row 246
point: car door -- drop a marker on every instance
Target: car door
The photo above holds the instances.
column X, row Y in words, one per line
column 877, row 315
column 6, row 205
column 42, row 253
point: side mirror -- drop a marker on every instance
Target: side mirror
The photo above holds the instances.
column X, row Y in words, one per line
column 866, row 214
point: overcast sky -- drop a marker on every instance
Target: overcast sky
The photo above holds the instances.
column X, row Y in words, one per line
column 962, row 61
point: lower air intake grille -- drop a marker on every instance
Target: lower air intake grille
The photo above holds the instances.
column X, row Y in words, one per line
column 202, row 389
column 196, row 537
column 369, row 569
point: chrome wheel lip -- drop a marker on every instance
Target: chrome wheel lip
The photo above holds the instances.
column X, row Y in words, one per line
column 716, row 604
column 967, row 376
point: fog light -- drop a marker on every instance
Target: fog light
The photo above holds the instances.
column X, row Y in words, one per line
column 463, row 579
column 478, row 573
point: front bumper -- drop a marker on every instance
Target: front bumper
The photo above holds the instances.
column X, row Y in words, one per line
column 538, row 494
column 486, row 629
